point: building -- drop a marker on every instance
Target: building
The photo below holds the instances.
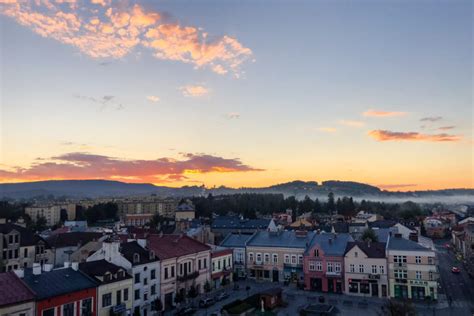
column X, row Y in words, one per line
column 153, row 205
column 64, row 291
column 15, row 297
column 139, row 262
column 82, row 253
column 238, row 243
column 277, row 255
column 64, row 245
column 435, row 227
column 185, row 263
column 114, row 293
column 185, row 212
column 20, row 248
column 52, row 213
column 223, row 225
column 139, row 220
column 301, row 223
column 412, row 269
column 324, row 263
column 221, row 266
column 364, row 217
column 365, row 269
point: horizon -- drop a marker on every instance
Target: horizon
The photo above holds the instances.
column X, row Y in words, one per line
column 238, row 94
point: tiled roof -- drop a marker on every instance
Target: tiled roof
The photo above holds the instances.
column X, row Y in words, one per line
column 27, row 237
column 234, row 222
column 72, row 239
column 171, row 246
column 129, row 249
column 235, row 240
column 99, row 268
column 399, row 243
column 372, row 250
column 382, row 223
column 57, row 282
column 281, row 239
column 331, row 244
column 341, row 227
column 13, row 290
column 383, row 233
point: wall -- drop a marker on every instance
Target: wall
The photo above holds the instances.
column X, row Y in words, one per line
column 28, row 309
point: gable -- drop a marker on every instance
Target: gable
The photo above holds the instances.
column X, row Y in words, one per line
column 356, row 250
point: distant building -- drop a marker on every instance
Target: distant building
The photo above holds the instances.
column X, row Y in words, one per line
column 364, row 217
column 223, row 225
column 52, row 213
column 64, row 245
column 15, row 297
column 138, row 220
column 164, row 207
column 185, row 212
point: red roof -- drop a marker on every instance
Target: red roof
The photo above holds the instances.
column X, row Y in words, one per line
column 13, row 290
column 172, row 246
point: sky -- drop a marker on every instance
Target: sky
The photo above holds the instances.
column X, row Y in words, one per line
column 238, row 93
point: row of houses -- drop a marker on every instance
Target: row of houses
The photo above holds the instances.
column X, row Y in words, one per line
column 331, row 262
column 136, row 277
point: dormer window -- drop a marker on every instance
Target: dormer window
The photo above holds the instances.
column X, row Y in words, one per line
column 136, row 258
column 316, row 253
column 107, row 276
column 152, row 255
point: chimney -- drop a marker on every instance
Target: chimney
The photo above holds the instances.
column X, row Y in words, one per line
column 47, row 267
column 75, row 266
column 36, row 268
column 20, row 273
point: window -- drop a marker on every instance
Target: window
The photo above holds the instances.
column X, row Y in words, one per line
column 417, row 259
column 267, row 258
column 239, row 257
column 205, row 263
column 137, row 278
column 106, row 299
column 48, row 312
column 16, row 253
column 250, row 256
column 145, row 281
column 118, row 296
column 330, row 267
column 172, row 271
column 213, row 266
column 10, row 239
column 153, row 274
column 218, row 264
column 400, row 259
column 431, row 275
column 287, row 258
column 430, row 260
column 137, row 295
column 418, row 275
column 199, row 264
column 166, row 273
column 181, row 268
column 354, row 287
column 400, row 274
column 316, row 253
column 382, row 269
column 293, row 259
column 125, row 294
column 275, row 258
column 374, row 269
column 145, row 296
column 136, row 258
column 86, row 307
column 17, row 239
column 356, row 254
column 364, row 288
column 312, row 266
column 361, row 268
column 352, row 268
column 300, row 259
column 25, row 253
column 319, row 266
column 259, row 258
column 337, row 266
column 153, row 289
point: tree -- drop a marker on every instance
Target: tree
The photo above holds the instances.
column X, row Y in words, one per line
column 40, row 223
column 396, row 308
column 157, row 305
column 192, row 293
column 369, row 234
column 307, row 205
column 63, row 215
column 330, row 205
column 156, row 221
column 179, row 297
column 207, row 287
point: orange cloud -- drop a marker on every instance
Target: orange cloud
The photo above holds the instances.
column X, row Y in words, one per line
column 384, row 135
column 105, row 31
column 446, row 128
column 194, row 91
column 377, row 113
column 153, row 98
column 351, row 123
column 327, row 129
column 79, row 165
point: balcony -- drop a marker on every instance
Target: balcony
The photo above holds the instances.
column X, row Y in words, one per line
column 190, row 276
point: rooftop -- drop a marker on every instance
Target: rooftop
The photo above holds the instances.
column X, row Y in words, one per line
column 235, row 222
column 172, row 245
column 129, row 249
column 102, row 267
column 331, row 244
column 236, row 240
column 57, row 282
column 399, row 243
column 72, row 239
column 13, row 290
column 27, row 237
column 281, row 239
column 372, row 249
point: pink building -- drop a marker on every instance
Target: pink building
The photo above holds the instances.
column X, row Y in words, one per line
column 324, row 263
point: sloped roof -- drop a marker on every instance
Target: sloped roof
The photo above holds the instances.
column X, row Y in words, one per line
column 281, row 239
column 99, row 268
column 72, row 239
column 235, row 240
column 372, row 250
column 57, row 282
column 13, row 290
column 331, row 244
column 399, row 243
column 384, row 223
column 27, row 237
column 129, row 249
column 234, row 222
column 172, row 245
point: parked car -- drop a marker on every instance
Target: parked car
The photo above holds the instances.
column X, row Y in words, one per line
column 206, row 302
column 221, row 296
column 455, row 270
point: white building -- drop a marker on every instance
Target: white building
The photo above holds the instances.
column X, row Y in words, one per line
column 52, row 213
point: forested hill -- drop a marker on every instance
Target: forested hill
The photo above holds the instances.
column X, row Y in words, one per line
column 105, row 188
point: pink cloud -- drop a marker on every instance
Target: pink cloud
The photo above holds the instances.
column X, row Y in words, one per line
column 384, row 135
column 378, row 113
column 107, row 31
column 78, row 165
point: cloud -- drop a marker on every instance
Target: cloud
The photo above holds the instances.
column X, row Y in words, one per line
column 431, row 119
column 384, row 135
column 82, row 165
column 104, row 101
column 105, row 30
column 233, row 115
column 153, row 98
column 378, row 113
column 327, row 129
column 446, row 128
column 351, row 123
column 194, row 91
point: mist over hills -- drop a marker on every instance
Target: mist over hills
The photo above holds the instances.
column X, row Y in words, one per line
column 106, row 188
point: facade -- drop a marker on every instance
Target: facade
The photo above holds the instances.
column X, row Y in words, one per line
column 185, row 263
column 15, row 297
column 164, row 207
column 20, row 248
column 221, row 266
column 238, row 243
column 324, row 263
column 277, row 256
column 65, row 244
column 114, row 293
column 365, row 269
column 52, row 213
column 142, row 264
column 412, row 269
column 139, row 220
column 185, row 212
column 64, row 291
